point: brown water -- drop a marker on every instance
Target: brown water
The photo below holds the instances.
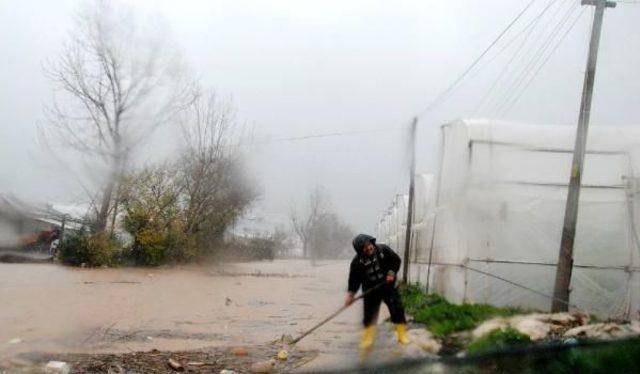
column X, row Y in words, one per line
column 46, row 307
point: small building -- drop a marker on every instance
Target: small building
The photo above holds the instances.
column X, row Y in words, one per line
column 26, row 225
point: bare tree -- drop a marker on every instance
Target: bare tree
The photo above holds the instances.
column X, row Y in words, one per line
column 303, row 223
column 115, row 87
column 216, row 189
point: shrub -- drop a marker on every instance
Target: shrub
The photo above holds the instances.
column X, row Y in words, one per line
column 498, row 339
column 154, row 219
column 91, row 250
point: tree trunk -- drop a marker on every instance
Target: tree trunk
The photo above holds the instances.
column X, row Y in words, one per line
column 103, row 213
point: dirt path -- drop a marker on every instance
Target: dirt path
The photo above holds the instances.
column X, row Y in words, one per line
column 53, row 309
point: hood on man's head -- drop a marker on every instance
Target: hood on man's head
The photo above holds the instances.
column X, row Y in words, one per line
column 360, row 241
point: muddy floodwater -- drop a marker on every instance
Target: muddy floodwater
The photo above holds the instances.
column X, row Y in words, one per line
column 51, row 308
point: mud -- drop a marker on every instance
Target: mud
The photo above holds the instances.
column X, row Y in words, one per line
column 61, row 311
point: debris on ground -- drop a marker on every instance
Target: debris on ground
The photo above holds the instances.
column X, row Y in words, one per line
column 57, row 367
column 283, row 355
column 210, row 360
column 425, row 340
column 538, row 326
column 239, row 351
column 175, row 365
column 15, row 341
column 605, row 331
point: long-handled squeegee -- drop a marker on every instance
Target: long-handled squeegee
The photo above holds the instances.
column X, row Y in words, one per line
column 334, row 314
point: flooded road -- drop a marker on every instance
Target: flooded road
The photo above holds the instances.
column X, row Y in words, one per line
column 46, row 307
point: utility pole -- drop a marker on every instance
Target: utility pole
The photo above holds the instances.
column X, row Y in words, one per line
column 412, row 177
column 565, row 258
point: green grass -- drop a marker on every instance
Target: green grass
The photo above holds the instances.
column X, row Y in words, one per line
column 498, row 340
column 442, row 317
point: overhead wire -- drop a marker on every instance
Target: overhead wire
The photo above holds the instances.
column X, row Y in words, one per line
column 439, row 99
column 317, row 136
column 535, row 62
column 537, row 56
column 528, row 29
column 544, row 62
column 521, row 66
column 444, row 95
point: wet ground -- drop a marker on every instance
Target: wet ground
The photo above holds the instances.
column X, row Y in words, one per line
column 54, row 309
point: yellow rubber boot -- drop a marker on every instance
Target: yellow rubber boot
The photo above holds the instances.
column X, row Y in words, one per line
column 401, row 332
column 368, row 337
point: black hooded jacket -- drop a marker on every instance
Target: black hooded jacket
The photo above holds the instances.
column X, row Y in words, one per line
column 369, row 271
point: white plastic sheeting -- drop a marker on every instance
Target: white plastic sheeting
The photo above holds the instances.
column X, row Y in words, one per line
column 500, row 210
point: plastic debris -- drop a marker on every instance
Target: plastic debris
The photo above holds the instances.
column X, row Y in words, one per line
column 423, row 339
column 175, row 365
column 57, row 367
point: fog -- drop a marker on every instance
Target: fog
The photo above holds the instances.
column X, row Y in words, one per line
column 294, row 69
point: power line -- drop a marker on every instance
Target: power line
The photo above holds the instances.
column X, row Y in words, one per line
column 444, row 94
column 547, row 58
column 318, row 136
column 525, row 60
column 535, row 66
column 440, row 98
column 529, row 30
column 517, row 84
column 516, row 37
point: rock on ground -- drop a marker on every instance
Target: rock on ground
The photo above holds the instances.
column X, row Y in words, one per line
column 605, row 331
column 57, row 367
column 537, row 326
column 423, row 339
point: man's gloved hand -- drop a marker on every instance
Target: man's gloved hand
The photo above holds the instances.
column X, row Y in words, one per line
column 391, row 278
column 349, row 299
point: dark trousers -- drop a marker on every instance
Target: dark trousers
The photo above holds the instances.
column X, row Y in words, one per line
column 391, row 298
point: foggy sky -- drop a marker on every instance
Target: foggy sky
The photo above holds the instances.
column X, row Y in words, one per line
column 296, row 68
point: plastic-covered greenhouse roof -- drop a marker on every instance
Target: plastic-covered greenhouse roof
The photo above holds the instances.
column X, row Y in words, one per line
column 600, row 137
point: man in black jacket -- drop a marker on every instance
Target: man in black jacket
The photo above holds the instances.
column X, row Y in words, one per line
column 376, row 264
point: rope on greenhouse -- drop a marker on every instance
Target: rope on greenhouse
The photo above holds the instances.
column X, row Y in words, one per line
column 521, row 286
column 527, row 288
